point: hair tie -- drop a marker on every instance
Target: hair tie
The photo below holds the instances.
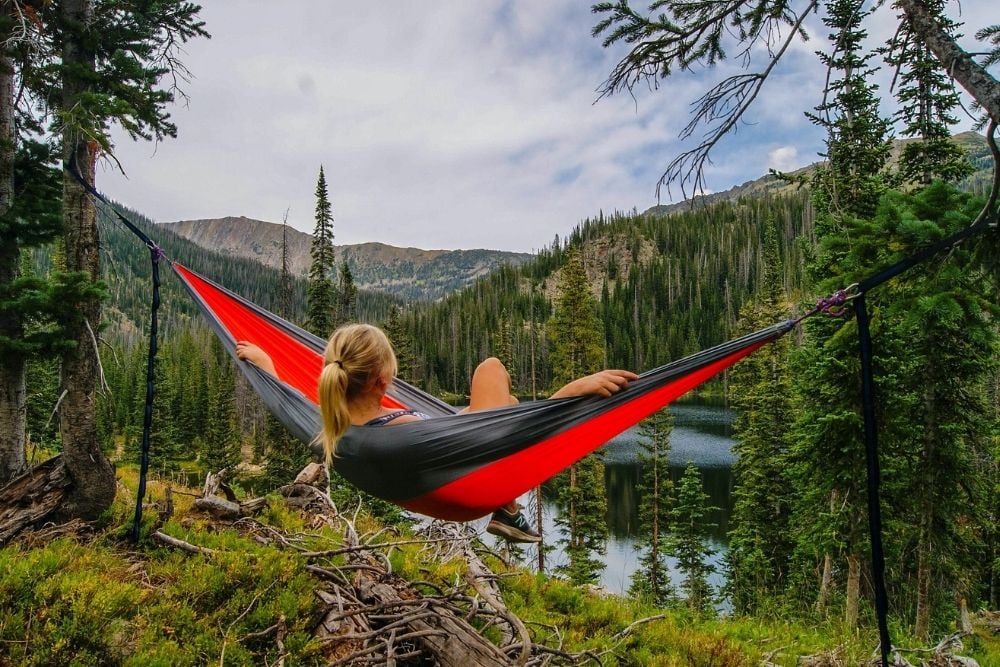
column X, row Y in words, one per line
column 338, row 362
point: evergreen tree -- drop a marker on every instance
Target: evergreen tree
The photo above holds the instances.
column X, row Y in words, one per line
column 651, row 580
column 113, row 55
column 503, row 342
column 582, row 519
column 847, row 189
column 320, row 295
column 575, row 332
column 927, row 100
column 947, row 320
column 759, row 541
column 575, row 329
column 285, row 281
column 29, row 217
column 688, row 543
column 221, row 448
column 402, row 344
column 347, row 297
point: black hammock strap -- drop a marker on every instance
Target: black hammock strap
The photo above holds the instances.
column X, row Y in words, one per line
column 155, row 255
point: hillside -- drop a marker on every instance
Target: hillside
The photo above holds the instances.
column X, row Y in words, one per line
column 126, row 270
column 408, row 273
column 669, row 281
column 972, row 142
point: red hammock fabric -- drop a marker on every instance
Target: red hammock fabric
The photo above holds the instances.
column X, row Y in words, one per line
column 455, row 466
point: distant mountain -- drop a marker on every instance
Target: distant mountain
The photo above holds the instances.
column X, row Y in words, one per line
column 972, row 142
column 409, row 273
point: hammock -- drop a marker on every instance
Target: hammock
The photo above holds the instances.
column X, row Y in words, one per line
column 455, row 466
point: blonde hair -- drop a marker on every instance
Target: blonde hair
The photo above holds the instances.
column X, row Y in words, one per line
column 355, row 356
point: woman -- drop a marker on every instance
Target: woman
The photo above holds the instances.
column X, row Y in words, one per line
column 359, row 365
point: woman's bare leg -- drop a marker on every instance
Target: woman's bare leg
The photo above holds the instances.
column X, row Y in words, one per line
column 491, row 387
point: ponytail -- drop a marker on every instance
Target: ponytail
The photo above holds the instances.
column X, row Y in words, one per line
column 333, row 407
column 355, row 356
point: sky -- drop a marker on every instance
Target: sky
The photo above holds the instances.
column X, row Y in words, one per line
column 442, row 124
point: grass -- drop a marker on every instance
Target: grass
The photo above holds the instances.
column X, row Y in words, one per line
column 108, row 602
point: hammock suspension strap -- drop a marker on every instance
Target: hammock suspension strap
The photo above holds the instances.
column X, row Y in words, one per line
column 155, row 255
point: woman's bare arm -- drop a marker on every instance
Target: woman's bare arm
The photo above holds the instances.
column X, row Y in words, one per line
column 604, row 383
column 249, row 352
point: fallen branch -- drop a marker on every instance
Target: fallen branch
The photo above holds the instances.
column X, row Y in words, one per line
column 367, row 547
column 160, row 536
column 498, row 605
column 634, row 624
column 28, row 499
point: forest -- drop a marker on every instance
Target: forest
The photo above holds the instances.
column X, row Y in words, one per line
column 242, row 551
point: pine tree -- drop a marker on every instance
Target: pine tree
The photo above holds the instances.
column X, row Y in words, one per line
column 828, row 440
column 320, row 295
column 503, row 342
column 402, row 344
column 285, row 282
column 947, row 320
column 583, row 519
column 29, row 217
column 577, row 349
column 221, row 447
column 757, row 559
column 575, row 331
column 651, row 580
column 347, row 297
column 927, row 100
column 688, row 543
column 113, row 57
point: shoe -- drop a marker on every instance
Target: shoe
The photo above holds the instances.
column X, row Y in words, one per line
column 512, row 527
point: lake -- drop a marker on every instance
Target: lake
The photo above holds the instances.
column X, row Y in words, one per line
column 701, row 434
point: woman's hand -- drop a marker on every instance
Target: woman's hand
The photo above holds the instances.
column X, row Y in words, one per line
column 247, row 351
column 604, row 383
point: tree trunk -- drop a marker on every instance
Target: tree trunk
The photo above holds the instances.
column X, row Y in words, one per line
column 654, row 539
column 953, row 58
column 538, row 522
column 827, row 578
column 921, row 628
column 853, row 589
column 824, row 583
column 92, row 474
column 12, row 393
column 926, row 519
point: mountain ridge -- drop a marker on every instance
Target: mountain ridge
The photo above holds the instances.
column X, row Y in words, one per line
column 410, row 273
column 973, row 143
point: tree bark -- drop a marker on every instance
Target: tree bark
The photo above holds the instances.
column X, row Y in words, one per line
column 91, row 472
column 824, row 583
column 921, row 628
column 12, row 392
column 31, row 497
column 853, row 589
column 955, row 60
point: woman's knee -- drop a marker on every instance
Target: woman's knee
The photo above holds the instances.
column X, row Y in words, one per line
column 492, row 365
column 491, row 386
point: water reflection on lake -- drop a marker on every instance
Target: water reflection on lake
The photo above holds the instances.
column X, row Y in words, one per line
column 701, row 434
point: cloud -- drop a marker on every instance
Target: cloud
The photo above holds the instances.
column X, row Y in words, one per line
column 443, row 124
column 784, row 158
